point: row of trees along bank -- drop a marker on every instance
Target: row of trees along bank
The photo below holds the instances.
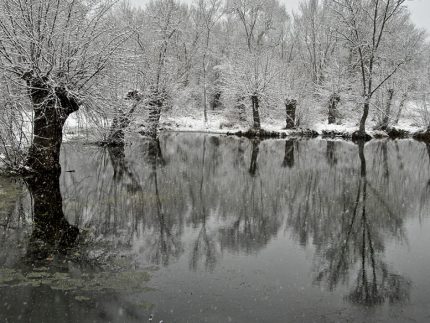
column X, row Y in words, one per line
column 237, row 56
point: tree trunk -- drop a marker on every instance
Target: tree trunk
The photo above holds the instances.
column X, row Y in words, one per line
column 255, row 111
column 216, row 100
column 332, row 108
column 155, row 106
column 290, row 107
column 205, row 104
column 116, row 134
column 121, row 121
column 205, row 99
column 386, row 118
column 362, row 129
column 401, row 107
column 240, row 106
column 51, row 108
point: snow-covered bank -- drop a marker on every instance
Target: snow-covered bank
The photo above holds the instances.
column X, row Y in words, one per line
column 81, row 127
column 221, row 125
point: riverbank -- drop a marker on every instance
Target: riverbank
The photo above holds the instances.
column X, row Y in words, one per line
column 277, row 130
column 78, row 128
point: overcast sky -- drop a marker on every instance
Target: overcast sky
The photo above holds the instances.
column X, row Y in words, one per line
column 420, row 10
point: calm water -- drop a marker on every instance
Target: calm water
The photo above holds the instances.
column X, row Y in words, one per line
column 211, row 229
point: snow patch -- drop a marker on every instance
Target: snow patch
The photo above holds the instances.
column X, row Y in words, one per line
column 347, row 128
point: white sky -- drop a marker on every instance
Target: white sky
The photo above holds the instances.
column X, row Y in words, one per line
column 420, row 10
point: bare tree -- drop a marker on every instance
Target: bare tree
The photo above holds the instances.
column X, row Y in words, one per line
column 316, row 32
column 158, row 38
column 367, row 26
column 208, row 12
column 254, row 66
column 55, row 50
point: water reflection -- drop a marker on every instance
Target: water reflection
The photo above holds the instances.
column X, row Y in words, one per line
column 49, row 272
column 359, row 246
column 331, row 153
column 289, row 154
column 202, row 185
column 52, row 233
column 196, row 204
column 428, row 153
column 166, row 243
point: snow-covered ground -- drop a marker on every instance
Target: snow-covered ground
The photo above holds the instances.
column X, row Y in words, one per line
column 219, row 124
column 80, row 126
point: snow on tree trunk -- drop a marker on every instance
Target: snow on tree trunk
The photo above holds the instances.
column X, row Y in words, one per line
column 387, row 112
column 332, row 108
column 51, row 108
column 290, row 106
column 121, row 121
column 401, row 107
column 241, row 108
column 154, row 116
column 256, row 112
column 216, row 100
column 361, row 134
column 205, row 96
column 362, row 129
column 116, row 133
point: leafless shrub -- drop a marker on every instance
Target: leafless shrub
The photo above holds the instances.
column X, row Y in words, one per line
column 15, row 136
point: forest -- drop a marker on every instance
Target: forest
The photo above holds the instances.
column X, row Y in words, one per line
column 107, row 69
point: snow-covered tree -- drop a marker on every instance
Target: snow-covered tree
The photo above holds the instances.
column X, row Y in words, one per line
column 56, row 52
column 252, row 68
column 374, row 31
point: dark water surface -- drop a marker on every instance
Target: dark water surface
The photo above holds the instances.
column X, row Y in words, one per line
column 202, row 228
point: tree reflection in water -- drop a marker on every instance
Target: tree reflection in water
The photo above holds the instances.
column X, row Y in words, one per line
column 165, row 244
column 52, row 234
column 202, row 197
column 233, row 196
column 428, row 153
column 60, row 269
column 331, row 153
column 237, row 199
column 360, row 245
column 289, row 154
column 254, row 157
column 204, row 248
